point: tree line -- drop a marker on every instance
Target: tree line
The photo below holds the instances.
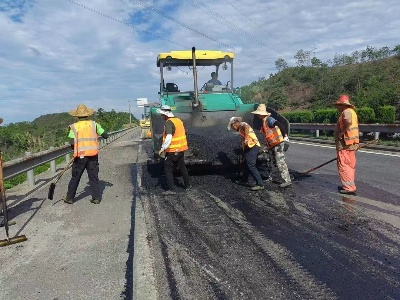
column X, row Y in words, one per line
column 305, row 58
column 371, row 82
column 51, row 130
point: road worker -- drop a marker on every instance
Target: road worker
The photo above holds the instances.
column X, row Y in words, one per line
column 251, row 147
column 347, row 142
column 275, row 136
column 84, row 141
column 174, row 144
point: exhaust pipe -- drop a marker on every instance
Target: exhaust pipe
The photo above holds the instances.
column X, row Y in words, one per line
column 196, row 92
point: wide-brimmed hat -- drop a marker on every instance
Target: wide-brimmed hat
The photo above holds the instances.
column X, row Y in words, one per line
column 81, row 111
column 1, row 120
column 233, row 120
column 166, row 112
column 261, row 110
column 344, row 100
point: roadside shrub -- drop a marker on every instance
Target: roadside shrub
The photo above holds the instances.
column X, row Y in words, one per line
column 366, row 115
column 386, row 114
column 328, row 115
column 299, row 116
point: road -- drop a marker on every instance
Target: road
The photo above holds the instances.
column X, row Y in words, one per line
column 221, row 241
column 217, row 241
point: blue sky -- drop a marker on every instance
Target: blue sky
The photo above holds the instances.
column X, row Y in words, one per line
column 56, row 54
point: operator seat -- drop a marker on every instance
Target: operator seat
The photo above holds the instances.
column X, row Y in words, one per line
column 171, row 87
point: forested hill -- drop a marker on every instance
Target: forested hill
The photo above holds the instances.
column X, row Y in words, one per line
column 373, row 84
column 51, row 130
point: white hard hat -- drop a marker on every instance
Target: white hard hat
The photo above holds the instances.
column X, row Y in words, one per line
column 167, row 113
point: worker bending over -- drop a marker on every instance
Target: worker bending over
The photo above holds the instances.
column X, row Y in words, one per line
column 251, row 147
column 275, row 136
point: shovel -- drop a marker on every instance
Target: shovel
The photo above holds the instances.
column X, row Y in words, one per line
column 16, row 239
column 333, row 159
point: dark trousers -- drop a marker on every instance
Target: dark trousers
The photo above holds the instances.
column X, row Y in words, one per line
column 172, row 159
column 250, row 156
column 91, row 165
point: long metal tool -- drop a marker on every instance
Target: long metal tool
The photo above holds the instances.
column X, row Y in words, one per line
column 52, row 187
column 16, row 239
column 333, row 159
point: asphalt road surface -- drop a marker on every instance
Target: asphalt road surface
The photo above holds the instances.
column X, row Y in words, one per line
column 216, row 241
column 222, row 241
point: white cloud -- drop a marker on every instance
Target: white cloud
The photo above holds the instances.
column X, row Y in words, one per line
column 55, row 54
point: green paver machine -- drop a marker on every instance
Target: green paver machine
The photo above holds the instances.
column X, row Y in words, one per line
column 205, row 111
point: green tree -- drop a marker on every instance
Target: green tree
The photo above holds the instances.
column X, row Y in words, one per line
column 280, row 64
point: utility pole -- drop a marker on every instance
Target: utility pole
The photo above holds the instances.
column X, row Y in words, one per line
column 130, row 115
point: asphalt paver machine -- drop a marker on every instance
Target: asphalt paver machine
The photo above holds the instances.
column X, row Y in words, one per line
column 205, row 108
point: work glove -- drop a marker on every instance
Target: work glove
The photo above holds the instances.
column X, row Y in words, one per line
column 286, row 139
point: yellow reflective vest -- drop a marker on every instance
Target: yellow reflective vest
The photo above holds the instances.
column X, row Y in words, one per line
column 252, row 138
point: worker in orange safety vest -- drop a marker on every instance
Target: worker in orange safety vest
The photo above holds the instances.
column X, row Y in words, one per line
column 84, row 141
column 347, row 142
column 275, row 138
column 174, row 144
column 251, row 147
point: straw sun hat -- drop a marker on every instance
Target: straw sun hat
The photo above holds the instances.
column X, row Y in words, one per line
column 81, row 111
column 261, row 110
column 344, row 100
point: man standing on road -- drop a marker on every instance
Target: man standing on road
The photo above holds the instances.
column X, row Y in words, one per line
column 347, row 142
column 251, row 147
column 275, row 136
column 174, row 144
column 84, row 141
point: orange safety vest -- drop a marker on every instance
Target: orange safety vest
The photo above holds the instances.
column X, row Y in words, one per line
column 179, row 141
column 86, row 138
column 352, row 135
column 253, row 138
column 273, row 136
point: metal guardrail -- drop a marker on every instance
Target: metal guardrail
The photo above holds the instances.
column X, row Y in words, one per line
column 30, row 161
column 376, row 128
column 387, row 128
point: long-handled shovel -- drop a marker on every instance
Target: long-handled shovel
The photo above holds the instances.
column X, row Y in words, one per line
column 52, row 187
column 16, row 239
column 333, row 159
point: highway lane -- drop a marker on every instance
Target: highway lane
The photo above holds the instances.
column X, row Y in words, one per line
column 80, row 251
column 377, row 173
column 221, row 241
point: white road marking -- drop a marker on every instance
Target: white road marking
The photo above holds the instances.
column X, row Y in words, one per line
column 332, row 147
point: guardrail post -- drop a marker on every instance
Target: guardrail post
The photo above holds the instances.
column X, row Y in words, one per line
column 30, row 174
column 317, row 133
column 377, row 135
column 53, row 164
column 67, row 156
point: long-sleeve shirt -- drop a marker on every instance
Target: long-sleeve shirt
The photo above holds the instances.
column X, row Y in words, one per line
column 169, row 132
